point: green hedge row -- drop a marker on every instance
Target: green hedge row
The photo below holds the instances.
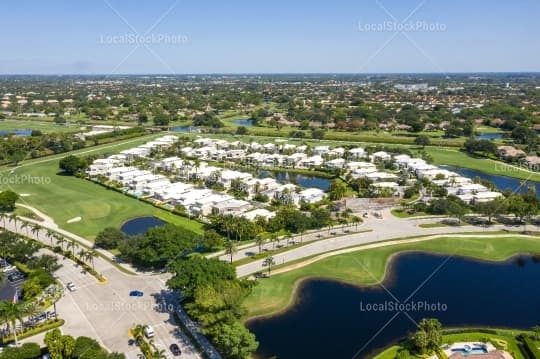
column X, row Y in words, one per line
column 530, row 347
column 39, row 328
column 470, row 330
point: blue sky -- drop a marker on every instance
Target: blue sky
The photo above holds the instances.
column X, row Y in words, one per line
column 268, row 36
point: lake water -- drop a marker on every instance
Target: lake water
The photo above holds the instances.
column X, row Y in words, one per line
column 299, row 179
column 330, row 319
column 501, row 182
column 16, row 132
column 187, row 129
column 140, row 225
column 490, row 136
column 242, row 122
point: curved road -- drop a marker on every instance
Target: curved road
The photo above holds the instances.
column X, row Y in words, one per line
column 386, row 228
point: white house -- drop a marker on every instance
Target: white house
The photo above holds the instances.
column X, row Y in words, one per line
column 311, row 195
column 335, row 164
column 381, row 156
column 357, row 153
column 259, row 212
column 381, row 176
column 321, row 150
column 227, row 176
column 311, row 162
column 232, row 206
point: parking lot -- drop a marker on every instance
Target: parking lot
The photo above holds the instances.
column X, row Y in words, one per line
column 106, row 312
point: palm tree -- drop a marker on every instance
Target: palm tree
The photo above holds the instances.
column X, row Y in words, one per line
column 274, row 238
column 269, row 262
column 82, row 255
column 90, row 255
column 138, row 333
column 35, row 229
column 27, row 226
column 230, row 249
column 31, row 309
column 259, row 241
column 60, row 240
column 356, row 220
column 159, row 354
column 13, row 217
column 71, row 244
column 3, row 215
column 12, row 312
column 50, row 235
column 289, row 237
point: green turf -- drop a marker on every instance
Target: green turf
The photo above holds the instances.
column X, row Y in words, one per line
column 452, row 157
column 43, row 126
column 505, row 338
column 66, row 197
column 368, row 267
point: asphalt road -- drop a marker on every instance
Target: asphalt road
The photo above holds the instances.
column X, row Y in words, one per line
column 386, row 228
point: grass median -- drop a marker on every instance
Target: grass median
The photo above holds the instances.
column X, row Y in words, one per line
column 368, row 267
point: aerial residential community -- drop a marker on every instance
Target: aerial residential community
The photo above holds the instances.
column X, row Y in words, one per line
column 257, row 180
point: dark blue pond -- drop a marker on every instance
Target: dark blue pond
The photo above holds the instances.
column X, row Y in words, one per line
column 241, row 122
column 334, row 320
column 299, row 179
column 501, row 182
column 140, row 225
column 490, row 136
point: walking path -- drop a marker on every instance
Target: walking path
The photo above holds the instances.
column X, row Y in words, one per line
column 387, row 228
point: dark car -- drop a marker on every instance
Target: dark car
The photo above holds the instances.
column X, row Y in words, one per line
column 136, row 293
column 175, row 350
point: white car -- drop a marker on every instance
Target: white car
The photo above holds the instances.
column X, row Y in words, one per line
column 149, row 332
column 8, row 268
column 71, row 287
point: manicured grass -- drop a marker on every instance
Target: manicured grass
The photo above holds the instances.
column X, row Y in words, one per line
column 43, row 126
column 369, row 266
column 505, row 339
column 399, row 213
column 65, row 197
column 452, row 157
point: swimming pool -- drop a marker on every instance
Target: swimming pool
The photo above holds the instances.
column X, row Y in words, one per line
column 470, row 350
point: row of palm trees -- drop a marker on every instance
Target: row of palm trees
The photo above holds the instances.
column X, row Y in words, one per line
column 71, row 245
column 11, row 313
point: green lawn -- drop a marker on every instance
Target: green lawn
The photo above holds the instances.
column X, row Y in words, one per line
column 452, row 157
column 66, row 197
column 368, row 267
column 43, row 126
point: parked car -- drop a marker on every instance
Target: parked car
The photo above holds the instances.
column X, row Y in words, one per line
column 149, row 332
column 136, row 293
column 71, row 287
column 9, row 268
column 15, row 276
column 175, row 350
